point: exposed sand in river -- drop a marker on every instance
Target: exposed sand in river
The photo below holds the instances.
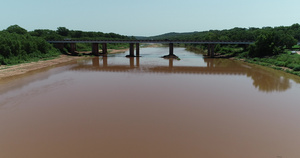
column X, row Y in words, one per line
column 14, row 70
column 9, row 71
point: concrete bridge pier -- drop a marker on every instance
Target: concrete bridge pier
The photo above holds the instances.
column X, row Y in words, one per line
column 171, row 52
column 104, row 48
column 171, row 49
column 137, row 49
column 131, row 49
column 211, row 50
column 73, row 48
column 95, row 49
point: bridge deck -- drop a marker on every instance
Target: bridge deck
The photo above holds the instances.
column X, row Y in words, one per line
column 153, row 41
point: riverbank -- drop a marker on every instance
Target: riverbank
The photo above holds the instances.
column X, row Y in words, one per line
column 7, row 71
column 287, row 62
column 20, row 69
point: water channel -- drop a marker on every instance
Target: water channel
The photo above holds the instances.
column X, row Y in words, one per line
column 150, row 107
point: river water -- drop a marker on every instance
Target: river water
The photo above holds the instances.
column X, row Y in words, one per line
column 150, row 107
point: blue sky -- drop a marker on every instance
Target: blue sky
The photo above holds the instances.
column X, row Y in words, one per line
column 147, row 18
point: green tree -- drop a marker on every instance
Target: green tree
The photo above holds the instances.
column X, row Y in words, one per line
column 16, row 29
column 271, row 43
column 63, row 31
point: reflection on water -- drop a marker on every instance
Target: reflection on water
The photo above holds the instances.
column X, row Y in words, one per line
column 151, row 107
column 265, row 80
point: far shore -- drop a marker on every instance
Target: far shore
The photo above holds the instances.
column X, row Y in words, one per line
column 20, row 69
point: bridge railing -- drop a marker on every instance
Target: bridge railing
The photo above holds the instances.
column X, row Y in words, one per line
column 153, row 41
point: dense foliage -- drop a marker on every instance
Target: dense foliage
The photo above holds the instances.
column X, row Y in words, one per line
column 235, row 34
column 17, row 46
column 268, row 41
column 271, row 43
column 62, row 33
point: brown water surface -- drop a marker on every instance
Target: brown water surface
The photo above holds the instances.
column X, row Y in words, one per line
column 149, row 107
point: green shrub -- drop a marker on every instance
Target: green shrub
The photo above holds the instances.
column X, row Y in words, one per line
column 280, row 63
column 296, row 68
column 19, row 47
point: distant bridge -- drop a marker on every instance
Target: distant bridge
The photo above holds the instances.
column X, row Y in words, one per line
column 154, row 41
column 95, row 45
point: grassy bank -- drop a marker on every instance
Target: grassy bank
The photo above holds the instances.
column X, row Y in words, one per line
column 286, row 61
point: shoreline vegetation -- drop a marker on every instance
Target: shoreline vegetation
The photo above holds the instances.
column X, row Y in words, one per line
column 7, row 71
column 275, row 47
column 288, row 61
column 23, row 51
column 18, row 45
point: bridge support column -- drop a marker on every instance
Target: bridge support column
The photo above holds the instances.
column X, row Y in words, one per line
column 211, row 50
column 104, row 48
column 171, row 49
column 131, row 50
column 171, row 52
column 208, row 50
column 73, row 48
column 95, row 49
column 137, row 49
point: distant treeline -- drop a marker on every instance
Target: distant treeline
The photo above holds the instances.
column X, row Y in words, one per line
column 271, row 48
column 17, row 45
column 235, row 34
column 268, row 40
column 63, row 33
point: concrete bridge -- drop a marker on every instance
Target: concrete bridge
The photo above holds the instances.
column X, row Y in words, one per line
column 95, row 45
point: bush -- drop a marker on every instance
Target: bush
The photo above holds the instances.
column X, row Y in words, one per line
column 280, row 63
column 18, row 47
column 271, row 43
column 243, row 55
column 296, row 68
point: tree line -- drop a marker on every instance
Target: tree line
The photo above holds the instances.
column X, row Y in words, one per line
column 17, row 45
column 268, row 40
column 63, row 33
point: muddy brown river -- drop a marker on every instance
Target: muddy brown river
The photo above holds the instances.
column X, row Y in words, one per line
column 149, row 107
